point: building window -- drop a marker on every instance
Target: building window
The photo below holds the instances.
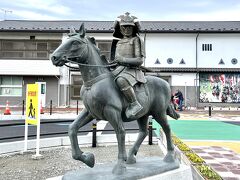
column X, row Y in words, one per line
column 206, row 47
column 27, row 49
column 105, row 47
column 53, row 45
column 11, row 86
column 76, row 86
column 42, row 46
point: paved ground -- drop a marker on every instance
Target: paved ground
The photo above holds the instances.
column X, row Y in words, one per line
column 58, row 161
column 216, row 139
column 206, row 130
column 225, row 161
column 221, row 129
column 220, row 122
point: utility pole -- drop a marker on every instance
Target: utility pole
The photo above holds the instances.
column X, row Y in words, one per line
column 5, row 13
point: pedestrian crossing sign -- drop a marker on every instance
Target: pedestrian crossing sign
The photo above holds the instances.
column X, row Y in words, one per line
column 32, row 104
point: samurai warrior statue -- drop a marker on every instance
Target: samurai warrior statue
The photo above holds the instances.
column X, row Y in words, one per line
column 129, row 55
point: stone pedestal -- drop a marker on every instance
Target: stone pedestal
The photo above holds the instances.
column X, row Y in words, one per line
column 152, row 168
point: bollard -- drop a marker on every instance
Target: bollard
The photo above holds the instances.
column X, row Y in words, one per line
column 150, row 133
column 77, row 107
column 23, row 108
column 94, row 135
column 50, row 107
column 209, row 110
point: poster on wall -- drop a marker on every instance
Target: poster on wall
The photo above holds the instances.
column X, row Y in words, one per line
column 219, row 87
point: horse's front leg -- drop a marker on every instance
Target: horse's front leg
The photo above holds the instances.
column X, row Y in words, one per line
column 83, row 118
column 114, row 117
column 142, row 123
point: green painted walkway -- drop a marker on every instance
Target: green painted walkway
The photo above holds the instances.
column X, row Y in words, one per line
column 202, row 130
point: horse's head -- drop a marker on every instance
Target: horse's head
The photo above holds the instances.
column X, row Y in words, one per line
column 74, row 48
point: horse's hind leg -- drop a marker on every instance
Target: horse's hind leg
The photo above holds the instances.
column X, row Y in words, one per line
column 83, row 118
column 161, row 118
column 142, row 123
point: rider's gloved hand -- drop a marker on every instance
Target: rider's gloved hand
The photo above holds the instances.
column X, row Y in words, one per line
column 119, row 59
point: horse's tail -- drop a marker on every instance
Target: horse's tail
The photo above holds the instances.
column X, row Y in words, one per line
column 172, row 113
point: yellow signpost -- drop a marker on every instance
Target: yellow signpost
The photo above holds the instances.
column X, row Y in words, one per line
column 33, row 114
column 32, row 104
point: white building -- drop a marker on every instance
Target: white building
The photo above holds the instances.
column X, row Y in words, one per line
column 199, row 58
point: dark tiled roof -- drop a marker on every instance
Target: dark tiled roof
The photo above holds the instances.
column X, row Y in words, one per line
column 219, row 70
column 57, row 26
column 164, row 69
column 106, row 26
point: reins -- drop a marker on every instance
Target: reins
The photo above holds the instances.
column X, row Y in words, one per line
column 88, row 65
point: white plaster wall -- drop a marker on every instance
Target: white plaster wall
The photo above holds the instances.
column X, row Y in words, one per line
column 28, row 67
column 177, row 46
column 224, row 46
column 183, row 79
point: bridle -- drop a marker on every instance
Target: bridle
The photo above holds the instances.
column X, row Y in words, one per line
column 70, row 60
column 113, row 64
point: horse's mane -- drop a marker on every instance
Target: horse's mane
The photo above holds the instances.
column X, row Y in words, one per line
column 93, row 41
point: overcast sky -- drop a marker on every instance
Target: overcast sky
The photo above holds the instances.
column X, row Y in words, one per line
column 153, row 10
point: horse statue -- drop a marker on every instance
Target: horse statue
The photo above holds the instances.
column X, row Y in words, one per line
column 103, row 100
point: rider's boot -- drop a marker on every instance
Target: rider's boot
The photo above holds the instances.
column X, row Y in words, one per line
column 134, row 106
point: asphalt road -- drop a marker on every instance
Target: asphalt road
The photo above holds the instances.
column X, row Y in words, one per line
column 14, row 130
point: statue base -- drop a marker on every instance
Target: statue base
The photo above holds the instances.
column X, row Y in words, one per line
column 144, row 168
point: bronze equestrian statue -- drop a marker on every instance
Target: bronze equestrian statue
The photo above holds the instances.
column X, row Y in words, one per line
column 129, row 55
column 108, row 94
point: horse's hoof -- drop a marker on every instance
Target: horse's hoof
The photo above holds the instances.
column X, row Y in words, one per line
column 131, row 160
column 88, row 159
column 169, row 157
column 119, row 169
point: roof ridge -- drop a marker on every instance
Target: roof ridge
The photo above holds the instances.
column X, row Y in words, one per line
column 31, row 20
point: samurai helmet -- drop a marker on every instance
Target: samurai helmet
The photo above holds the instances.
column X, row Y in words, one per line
column 126, row 20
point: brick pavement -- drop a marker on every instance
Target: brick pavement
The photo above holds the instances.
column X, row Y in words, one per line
column 223, row 160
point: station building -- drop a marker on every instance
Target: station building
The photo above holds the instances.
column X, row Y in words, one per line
column 201, row 58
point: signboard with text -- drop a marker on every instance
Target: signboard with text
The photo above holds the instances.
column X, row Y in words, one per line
column 33, row 114
column 32, row 104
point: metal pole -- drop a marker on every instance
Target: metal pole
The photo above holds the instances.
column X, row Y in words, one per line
column 185, row 92
column 150, row 133
column 23, row 103
column 77, row 107
column 50, row 107
column 94, row 135
column 210, row 111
